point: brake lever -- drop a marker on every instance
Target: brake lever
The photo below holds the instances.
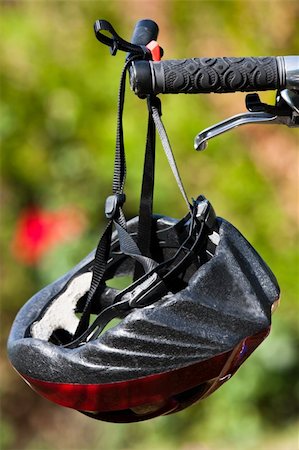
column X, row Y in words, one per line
column 285, row 112
column 201, row 140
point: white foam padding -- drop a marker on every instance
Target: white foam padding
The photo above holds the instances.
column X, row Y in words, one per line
column 61, row 312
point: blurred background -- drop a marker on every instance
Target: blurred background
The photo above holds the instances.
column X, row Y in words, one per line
column 58, row 111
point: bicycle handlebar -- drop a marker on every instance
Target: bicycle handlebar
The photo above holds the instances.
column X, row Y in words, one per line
column 220, row 75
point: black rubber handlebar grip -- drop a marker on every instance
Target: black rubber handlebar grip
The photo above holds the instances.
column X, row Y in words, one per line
column 205, row 75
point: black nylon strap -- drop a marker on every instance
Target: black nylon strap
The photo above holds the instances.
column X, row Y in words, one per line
column 117, row 43
column 100, row 261
column 103, row 248
column 127, row 244
column 120, row 169
column 145, row 220
column 129, row 247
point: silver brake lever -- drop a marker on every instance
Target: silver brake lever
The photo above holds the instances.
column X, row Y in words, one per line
column 291, row 118
column 200, row 141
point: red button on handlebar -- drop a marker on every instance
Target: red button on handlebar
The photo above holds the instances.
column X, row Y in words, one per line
column 155, row 50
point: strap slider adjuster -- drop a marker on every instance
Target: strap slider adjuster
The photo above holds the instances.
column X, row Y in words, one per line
column 113, row 203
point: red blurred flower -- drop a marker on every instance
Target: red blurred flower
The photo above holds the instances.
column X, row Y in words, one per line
column 38, row 231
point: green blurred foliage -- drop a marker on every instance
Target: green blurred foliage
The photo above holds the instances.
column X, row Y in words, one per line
column 58, row 107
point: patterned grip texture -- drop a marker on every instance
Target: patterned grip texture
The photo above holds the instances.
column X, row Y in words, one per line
column 200, row 75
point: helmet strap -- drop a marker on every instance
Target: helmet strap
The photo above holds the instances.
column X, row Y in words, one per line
column 145, row 216
column 140, row 251
column 115, row 214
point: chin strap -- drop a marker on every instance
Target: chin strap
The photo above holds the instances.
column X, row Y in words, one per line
column 114, row 212
column 145, row 216
column 146, row 276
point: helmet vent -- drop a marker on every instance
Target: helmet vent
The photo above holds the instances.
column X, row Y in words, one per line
column 60, row 337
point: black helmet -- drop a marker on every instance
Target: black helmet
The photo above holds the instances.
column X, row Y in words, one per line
column 198, row 305
column 159, row 358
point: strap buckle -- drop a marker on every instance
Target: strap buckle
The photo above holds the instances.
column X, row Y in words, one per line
column 113, row 203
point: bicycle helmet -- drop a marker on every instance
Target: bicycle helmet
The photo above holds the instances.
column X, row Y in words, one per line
column 199, row 304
